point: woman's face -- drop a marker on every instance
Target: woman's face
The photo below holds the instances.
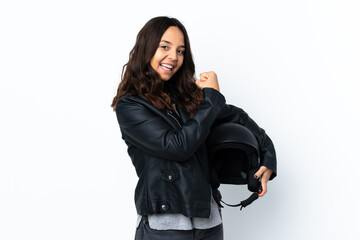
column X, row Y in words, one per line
column 169, row 56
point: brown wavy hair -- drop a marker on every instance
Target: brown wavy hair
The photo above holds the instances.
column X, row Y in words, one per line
column 139, row 78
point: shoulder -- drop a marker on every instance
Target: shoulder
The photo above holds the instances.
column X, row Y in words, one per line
column 133, row 106
column 129, row 99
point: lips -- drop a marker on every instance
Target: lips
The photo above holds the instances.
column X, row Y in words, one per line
column 166, row 66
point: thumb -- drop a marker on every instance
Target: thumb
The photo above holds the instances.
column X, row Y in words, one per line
column 198, row 82
column 263, row 188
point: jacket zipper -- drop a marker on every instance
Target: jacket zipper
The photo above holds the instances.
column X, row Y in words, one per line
column 169, row 113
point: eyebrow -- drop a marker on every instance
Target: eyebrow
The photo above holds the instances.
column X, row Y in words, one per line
column 171, row 43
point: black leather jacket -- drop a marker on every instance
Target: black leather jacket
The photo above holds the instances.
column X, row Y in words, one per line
column 170, row 155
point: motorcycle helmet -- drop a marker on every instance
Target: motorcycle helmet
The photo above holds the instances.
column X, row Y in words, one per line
column 234, row 158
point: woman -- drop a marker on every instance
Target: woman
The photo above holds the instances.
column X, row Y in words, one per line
column 165, row 117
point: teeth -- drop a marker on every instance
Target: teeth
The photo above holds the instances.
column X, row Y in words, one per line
column 167, row 66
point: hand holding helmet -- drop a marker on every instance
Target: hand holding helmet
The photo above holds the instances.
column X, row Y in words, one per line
column 265, row 174
column 234, row 158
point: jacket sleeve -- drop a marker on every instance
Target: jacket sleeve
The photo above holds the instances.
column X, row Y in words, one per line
column 149, row 132
column 234, row 114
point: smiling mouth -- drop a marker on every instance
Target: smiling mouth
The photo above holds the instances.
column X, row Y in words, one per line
column 166, row 66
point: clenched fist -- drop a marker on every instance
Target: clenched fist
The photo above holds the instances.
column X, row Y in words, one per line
column 208, row 79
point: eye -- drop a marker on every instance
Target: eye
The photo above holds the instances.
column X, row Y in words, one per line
column 165, row 47
column 181, row 52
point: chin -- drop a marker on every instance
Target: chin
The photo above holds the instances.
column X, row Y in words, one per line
column 166, row 78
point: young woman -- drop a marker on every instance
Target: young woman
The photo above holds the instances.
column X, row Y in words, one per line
column 165, row 116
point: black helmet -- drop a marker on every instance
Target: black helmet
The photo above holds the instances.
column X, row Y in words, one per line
column 234, row 158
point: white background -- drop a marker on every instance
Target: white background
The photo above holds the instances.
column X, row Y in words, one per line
column 292, row 65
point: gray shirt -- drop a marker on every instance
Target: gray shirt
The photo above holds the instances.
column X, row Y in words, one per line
column 180, row 222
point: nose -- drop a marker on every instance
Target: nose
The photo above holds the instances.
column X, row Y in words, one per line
column 173, row 55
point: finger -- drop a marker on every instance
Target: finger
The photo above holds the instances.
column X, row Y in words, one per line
column 267, row 174
column 212, row 73
column 263, row 191
column 260, row 172
column 204, row 75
